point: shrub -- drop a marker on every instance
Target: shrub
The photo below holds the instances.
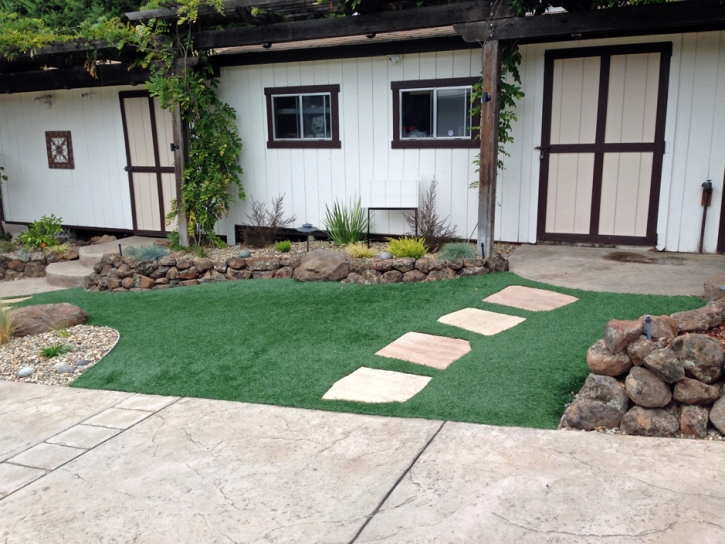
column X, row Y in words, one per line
column 407, row 247
column 283, row 246
column 346, row 225
column 360, row 250
column 174, row 245
column 461, row 250
column 434, row 230
column 7, row 324
column 199, row 251
column 55, row 350
column 6, row 236
column 146, row 253
column 265, row 224
column 58, row 248
column 7, row 247
column 42, row 233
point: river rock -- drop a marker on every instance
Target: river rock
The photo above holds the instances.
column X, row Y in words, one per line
column 323, row 265
column 619, row 333
column 700, row 355
column 646, row 389
column 699, row 320
column 202, row 265
column 393, row 276
column 717, row 414
column 604, row 362
column 647, row 422
column 45, row 317
column 370, row 277
column 413, row 275
column 689, row 391
column 26, row 372
column 443, row 274
column 601, row 403
column 693, row 421
column 234, row 274
column 666, row 365
column 236, row 263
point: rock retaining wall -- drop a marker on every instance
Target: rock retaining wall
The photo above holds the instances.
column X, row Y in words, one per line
column 671, row 385
column 22, row 264
column 114, row 273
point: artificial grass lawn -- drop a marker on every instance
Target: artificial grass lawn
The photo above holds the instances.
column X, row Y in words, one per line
column 285, row 343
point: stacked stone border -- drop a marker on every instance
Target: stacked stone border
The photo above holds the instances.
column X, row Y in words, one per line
column 122, row 274
column 671, row 385
column 23, row 264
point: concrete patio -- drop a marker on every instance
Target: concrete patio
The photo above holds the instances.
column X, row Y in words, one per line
column 100, row 466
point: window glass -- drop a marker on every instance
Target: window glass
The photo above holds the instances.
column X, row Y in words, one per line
column 286, row 117
column 453, row 119
column 307, row 117
column 416, row 114
column 316, row 116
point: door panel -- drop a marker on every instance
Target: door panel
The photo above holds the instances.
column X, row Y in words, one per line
column 146, row 201
column 165, row 131
column 626, row 180
column 570, row 193
column 168, row 184
column 140, row 135
column 574, row 102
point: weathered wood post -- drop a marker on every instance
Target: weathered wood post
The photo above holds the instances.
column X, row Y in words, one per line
column 489, row 146
column 180, row 143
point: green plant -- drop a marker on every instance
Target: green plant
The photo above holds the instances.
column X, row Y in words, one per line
column 146, row 253
column 62, row 331
column 42, row 233
column 5, row 236
column 284, row 246
column 346, row 225
column 458, row 250
column 265, row 224
column 199, row 251
column 174, row 245
column 434, row 230
column 7, row 247
column 55, row 350
column 58, row 248
column 7, row 324
column 407, row 247
column 360, row 250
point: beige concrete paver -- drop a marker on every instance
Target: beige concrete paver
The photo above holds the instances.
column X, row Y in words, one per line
column 13, row 477
column 46, row 456
column 481, row 321
column 83, row 436
column 426, row 349
column 529, row 298
column 373, row 385
column 117, row 418
column 149, row 403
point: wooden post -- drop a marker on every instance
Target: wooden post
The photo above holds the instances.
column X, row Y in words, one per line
column 489, row 146
column 180, row 142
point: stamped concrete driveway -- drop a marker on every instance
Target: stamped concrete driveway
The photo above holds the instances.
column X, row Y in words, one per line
column 97, row 466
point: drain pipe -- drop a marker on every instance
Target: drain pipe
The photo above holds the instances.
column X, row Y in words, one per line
column 706, row 201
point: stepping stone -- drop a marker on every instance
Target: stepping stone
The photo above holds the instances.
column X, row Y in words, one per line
column 83, row 436
column 481, row 321
column 13, row 477
column 426, row 349
column 46, row 456
column 117, row 418
column 373, row 385
column 528, row 298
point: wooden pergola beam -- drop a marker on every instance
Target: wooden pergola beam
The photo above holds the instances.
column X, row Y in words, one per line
column 230, row 8
column 75, row 77
column 687, row 16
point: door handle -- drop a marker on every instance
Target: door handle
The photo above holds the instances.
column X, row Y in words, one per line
column 542, row 150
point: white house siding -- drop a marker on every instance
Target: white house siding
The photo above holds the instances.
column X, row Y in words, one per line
column 695, row 142
column 313, row 178
column 96, row 192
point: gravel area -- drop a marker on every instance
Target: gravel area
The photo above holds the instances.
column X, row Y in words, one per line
column 88, row 345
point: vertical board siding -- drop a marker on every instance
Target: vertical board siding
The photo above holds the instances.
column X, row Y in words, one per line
column 96, row 192
column 312, row 179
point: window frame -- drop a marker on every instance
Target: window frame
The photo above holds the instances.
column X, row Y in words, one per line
column 431, row 142
column 304, row 143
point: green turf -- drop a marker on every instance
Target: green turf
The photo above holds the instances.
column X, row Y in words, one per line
column 283, row 342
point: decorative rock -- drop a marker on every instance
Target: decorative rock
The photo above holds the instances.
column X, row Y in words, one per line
column 662, row 326
column 323, row 265
column 188, row 273
column 473, row 271
column 127, row 283
column 105, row 239
column 146, row 268
column 84, row 362
column 475, row 262
column 382, row 266
column 45, row 317
column 202, row 265
column 293, row 261
column 119, row 290
column 713, row 288
column 284, row 272
column 645, row 422
column 455, row 264
column 384, row 255
column 212, row 276
column 404, row 264
column 71, row 254
column 353, row 277
column 144, row 282
column 16, row 265
column 646, row 389
column 113, row 283
column 640, row 348
column 23, row 256
column 370, row 277
column 222, row 268
column 688, row 391
column 693, row 421
column 601, row 403
column 245, row 254
column 497, row 263
column 26, row 372
column 160, row 272
column 665, row 365
column 172, row 274
column 263, row 263
column 236, row 263
column 619, row 333
column 701, row 356
column 717, row 415
column 444, row 274
column 698, row 320
column 604, row 362
column 263, row 274
column 162, row 281
column 233, row 274
column 182, row 263
column 124, row 271
column 187, row 283
column 37, row 257
column 167, row 260
column 393, row 276
column 428, row 265
column 65, row 369
column 412, row 276
column 34, row 270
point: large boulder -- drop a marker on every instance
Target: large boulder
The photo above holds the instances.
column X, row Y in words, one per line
column 619, row 333
column 646, row 389
column 604, row 362
column 46, row 317
column 699, row 320
column 666, row 365
column 701, row 356
column 688, row 391
column 323, row 265
column 646, row 422
column 601, row 403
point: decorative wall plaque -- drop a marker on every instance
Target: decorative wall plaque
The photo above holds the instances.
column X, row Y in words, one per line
column 60, row 149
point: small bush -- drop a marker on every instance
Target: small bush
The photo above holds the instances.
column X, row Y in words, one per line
column 434, row 230
column 284, row 246
column 346, row 225
column 174, row 245
column 42, row 233
column 55, row 350
column 360, row 250
column 265, row 224
column 146, row 253
column 7, row 324
column 58, row 248
column 407, row 247
column 462, row 250
column 199, row 251
column 6, row 236
column 8, row 247
column 62, row 331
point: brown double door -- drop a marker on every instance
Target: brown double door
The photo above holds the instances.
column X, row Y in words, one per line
column 149, row 161
column 602, row 143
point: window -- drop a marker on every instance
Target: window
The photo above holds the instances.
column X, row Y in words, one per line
column 433, row 113
column 303, row 117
